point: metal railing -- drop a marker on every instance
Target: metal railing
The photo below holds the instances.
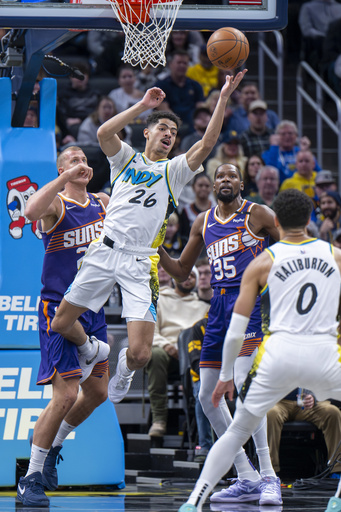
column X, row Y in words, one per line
column 316, row 104
column 277, row 59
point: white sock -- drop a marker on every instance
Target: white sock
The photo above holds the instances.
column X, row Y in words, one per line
column 37, row 459
column 245, row 468
column 88, row 349
column 63, row 432
column 123, row 368
column 260, row 438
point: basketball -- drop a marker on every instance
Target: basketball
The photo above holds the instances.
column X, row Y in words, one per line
column 227, row 48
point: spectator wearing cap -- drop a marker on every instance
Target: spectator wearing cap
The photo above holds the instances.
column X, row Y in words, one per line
column 330, row 219
column 230, row 151
column 267, row 180
column 304, row 178
column 256, row 139
column 324, row 182
column 284, row 146
column 77, row 101
column 239, row 120
column 204, row 72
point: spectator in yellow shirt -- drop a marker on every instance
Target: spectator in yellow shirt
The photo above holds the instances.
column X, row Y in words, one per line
column 304, row 178
column 204, row 72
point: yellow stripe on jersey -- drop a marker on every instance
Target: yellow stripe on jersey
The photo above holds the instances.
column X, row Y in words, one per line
column 168, row 185
column 253, row 372
column 264, row 289
column 298, row 243
column 271, row 254
column 123, row 169
column 154, row 279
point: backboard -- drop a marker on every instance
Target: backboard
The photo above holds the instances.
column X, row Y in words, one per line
column 246, row 15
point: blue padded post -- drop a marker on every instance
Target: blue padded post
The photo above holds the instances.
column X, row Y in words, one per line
column 94, row 454
column 27, row 162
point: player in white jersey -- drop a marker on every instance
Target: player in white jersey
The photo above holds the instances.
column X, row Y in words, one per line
column 299, row 279
column 146, row 188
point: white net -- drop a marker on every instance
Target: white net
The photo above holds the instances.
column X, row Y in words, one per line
column 146, row 35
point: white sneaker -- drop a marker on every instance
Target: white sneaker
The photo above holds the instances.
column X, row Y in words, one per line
column 120, row 383
column 87, row 365
column 271, row 493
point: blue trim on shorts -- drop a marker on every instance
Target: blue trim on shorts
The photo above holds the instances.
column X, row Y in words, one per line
column 152, row 309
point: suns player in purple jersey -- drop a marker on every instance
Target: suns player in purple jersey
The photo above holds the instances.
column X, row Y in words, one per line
column 69, row 219
column 234, row 233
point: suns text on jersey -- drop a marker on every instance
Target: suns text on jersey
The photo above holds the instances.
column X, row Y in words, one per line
column 222, row 247
column 83, row 235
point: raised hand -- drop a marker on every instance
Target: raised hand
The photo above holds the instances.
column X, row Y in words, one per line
column 153, row 97
column 232, row 83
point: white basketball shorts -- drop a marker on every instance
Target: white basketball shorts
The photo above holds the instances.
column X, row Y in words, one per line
column 286, row 361
column 101, row 268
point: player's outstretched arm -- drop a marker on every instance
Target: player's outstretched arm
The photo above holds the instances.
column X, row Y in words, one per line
column 181, row 267
column 201, row 149
column 107, row 132
column 44, row 202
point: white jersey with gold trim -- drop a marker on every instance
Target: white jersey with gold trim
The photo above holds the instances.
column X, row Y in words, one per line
column 304, row 278
column 144, row 194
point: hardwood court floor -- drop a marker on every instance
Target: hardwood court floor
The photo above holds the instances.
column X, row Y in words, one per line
column 165, row 498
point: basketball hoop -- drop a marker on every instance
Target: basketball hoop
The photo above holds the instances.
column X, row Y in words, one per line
column 146, row 25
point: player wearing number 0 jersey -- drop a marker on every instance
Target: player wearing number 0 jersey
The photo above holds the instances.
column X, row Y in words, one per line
column 304, row 271
column 301, row 278
column 234, row 233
